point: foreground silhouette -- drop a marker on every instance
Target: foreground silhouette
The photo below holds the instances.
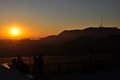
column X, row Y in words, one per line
column 19, row 65
column 14, row 64
column 38, row 68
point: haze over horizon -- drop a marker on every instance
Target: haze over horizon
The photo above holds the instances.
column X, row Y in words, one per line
column 40, row 18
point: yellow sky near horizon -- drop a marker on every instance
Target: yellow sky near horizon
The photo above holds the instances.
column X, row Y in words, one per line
column 24, row 32
column 41, row 18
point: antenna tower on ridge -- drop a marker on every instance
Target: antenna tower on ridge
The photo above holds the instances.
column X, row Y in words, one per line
column 101, row 24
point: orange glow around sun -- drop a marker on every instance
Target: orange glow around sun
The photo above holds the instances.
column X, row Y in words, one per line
column 15, row 31
column 20, row 31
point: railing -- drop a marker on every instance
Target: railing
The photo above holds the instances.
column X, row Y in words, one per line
column 56, row 64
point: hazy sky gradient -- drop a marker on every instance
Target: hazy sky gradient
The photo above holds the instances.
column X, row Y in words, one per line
column 46, row 17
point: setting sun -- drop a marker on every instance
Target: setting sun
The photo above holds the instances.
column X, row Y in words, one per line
column 15, row 31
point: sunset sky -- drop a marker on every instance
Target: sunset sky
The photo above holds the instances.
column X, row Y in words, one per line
column 39, row 18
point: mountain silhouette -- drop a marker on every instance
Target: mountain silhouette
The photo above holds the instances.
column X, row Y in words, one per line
column 87, row 41
column 92, row 32
column 66, row 35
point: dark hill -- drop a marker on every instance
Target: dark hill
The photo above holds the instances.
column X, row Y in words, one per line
column 89, row 40
column 92, row 32
column 66, row 35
